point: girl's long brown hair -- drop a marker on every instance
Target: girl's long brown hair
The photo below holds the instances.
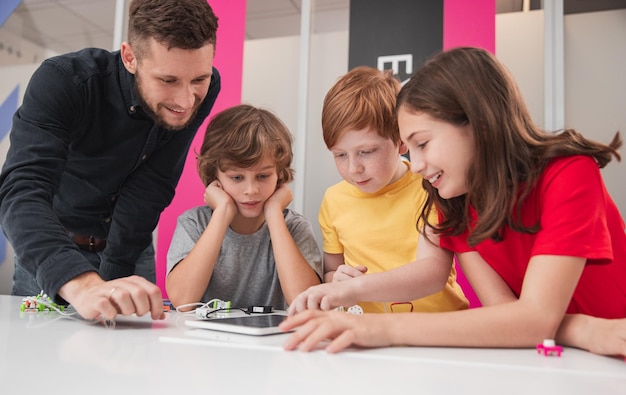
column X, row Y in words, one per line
column 470, row 86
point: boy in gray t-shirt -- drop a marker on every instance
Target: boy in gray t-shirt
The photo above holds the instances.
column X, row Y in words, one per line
column 245, row 245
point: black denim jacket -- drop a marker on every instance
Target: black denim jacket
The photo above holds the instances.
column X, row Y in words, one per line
column 84, row 157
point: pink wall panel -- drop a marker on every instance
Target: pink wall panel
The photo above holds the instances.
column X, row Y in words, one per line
column 469, row 23
column 229, row 61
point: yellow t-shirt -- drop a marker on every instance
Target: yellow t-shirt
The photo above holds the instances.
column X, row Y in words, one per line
column 379, row 231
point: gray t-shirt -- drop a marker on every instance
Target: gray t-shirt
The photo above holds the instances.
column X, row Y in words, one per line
column 245, row 272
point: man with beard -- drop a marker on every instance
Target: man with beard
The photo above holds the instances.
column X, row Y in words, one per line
column 97, row 149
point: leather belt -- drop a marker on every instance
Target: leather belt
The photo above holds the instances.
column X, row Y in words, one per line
column 87, row 243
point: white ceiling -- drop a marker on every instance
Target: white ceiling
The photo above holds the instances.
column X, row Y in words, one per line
column 278, row 18
column 67, row 25
column 64, row 25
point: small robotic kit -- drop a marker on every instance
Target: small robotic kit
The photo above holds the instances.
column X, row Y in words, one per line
column 548, row 348
column 41, row 302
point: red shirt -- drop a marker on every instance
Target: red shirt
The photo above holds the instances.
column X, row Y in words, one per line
column 577, row 217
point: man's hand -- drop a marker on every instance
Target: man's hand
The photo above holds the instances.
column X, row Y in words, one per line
column 95, row 298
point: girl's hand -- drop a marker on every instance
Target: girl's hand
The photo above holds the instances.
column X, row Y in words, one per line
column 342, row 329
column 599, row 335
column 325, row 296
column 346, row 272
column 279, row 200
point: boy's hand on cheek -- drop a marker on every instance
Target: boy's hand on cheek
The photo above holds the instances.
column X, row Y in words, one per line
column 280, row 199
column 215, row 197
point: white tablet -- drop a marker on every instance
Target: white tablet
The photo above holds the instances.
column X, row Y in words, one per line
column 259, row 325
column 277, row 339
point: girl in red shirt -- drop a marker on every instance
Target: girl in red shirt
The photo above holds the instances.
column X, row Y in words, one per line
column 525, row 212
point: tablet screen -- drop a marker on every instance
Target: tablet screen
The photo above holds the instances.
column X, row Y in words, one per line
column 265, row 324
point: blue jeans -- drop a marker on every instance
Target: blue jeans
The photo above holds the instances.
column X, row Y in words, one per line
column 24, row 283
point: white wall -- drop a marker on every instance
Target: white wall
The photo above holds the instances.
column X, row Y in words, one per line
column 595, row 85
column 523, row 55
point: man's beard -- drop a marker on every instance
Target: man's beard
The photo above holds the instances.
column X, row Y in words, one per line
column 158, row 120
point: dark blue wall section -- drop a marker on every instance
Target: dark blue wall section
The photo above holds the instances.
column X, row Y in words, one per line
column 6, row 9
column 393, row 29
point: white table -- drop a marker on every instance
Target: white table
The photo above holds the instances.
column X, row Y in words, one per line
column 41, row 353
